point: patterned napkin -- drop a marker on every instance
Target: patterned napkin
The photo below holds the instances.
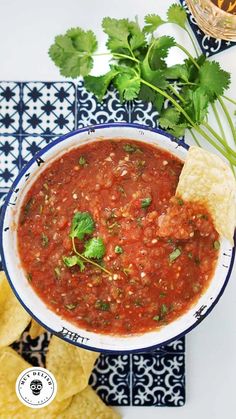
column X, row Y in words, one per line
column 209, row 46
column 32, row 115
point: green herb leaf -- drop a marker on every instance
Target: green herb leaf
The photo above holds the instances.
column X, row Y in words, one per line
column 123, row 35
column 44, row 240
column 94, row 248
column 82, row 224
column 169, row 118
column 131, row 148
column 146, row 202
column 118, row 250
column 152, row 23
column 177, row 71
column 180, row 201
column 213, row 79
column 174, row 255
column 159, row 49
column 70, row 306
column 164, row 310
column 57, row 272
column 82, row 161
column 216, row 245
column 29, row 276
column 102, row 305
column 156, row 318
column 177, row 14
column 127, row 84
column 99, row 85
column 72, row 52
column 198, row 108
column 74, row 260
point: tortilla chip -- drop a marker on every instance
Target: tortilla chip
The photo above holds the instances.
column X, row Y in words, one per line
column 86, row 405
column 11, row 365
column 206, row 179
column 35, row 329
column 72, row 366
column 13, row 318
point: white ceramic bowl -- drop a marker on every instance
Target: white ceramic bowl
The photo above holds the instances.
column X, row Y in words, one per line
column 37, row 308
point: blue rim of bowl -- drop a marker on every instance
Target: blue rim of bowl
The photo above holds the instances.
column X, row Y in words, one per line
column 180, row 143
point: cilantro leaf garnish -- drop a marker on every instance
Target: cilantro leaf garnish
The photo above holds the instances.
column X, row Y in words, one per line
column 213, row 78
column 94, row 248
column 72, row 52
column 152, row 23
column 123, row 34
column 82, row 224
column 99, row 85
column 127, row 85
column 74, row 260
column 176, row 14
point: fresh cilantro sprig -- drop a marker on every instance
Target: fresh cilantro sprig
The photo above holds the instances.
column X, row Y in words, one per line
column 140, row 70
column 94, row 248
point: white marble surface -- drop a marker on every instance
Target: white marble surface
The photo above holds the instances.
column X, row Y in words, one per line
column 27, row 29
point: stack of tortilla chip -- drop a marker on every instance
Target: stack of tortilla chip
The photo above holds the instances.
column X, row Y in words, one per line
column 70, row 365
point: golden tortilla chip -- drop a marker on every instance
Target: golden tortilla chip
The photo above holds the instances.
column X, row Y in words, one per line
column 11, row 365
column 87, row 405
column 13, row 317
column 72, row 366
column 206, row 179
column 35, row 329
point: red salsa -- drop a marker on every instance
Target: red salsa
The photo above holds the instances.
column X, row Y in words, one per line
column 143, row 256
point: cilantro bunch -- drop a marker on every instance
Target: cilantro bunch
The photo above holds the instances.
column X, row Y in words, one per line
column 181, row 93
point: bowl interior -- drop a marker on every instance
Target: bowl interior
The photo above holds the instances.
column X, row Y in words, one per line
column 37, row 307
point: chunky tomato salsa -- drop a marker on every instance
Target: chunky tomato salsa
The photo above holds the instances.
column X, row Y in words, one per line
column 107, row 246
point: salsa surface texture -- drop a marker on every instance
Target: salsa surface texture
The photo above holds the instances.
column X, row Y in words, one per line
column 160, row 250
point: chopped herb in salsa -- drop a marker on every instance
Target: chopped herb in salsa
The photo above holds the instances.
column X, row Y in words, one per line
column 146, row 202
column 174, row 255
column 118, row 249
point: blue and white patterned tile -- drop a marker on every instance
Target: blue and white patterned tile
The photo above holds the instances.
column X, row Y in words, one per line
column 48, row 108
column 3, row 194
column 158, row 380
column 209, row 45
column 111, row 379
column 31, row 145
column 144, row 113
column 9, row 107
column 91, row 112
column 10, row 162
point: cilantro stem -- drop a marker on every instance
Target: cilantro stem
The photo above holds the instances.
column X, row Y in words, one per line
column 229, row 119
column 229, row 99
column 197, row 128
column 194, row 137
column 125, row 56
column 221, row 141
column 176, row 93
column 192, row 40
column 188, row 54
column 89, row 260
